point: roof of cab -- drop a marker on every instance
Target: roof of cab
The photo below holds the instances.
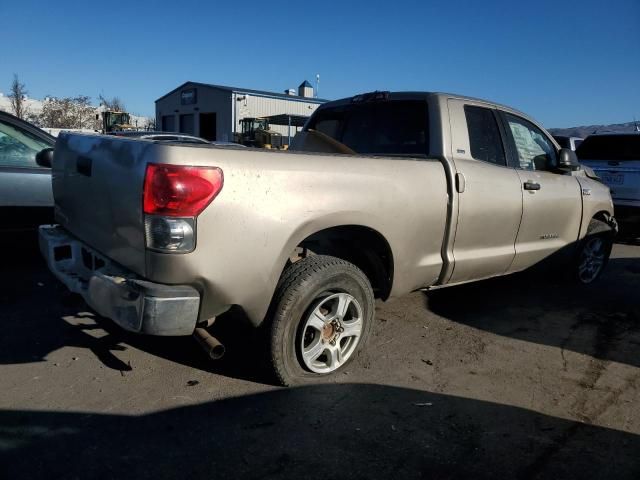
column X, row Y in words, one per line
column 439, row 95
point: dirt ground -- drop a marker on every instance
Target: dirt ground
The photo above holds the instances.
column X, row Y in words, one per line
column 519, row 377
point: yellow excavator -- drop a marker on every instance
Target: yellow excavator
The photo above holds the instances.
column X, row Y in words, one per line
column 116, row 122
column 257, row 133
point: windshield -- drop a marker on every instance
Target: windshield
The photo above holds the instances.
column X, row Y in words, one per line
column 397, row 127
column 618, row 148
column 251, row 125
column 118, row 118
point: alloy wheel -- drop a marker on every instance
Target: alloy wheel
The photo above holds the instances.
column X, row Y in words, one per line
column 592, row 259
column 331, row 332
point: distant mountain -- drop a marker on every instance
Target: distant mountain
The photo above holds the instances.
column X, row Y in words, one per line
column 590, row 129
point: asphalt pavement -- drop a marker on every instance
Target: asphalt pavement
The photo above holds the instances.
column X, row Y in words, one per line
column 524, row 376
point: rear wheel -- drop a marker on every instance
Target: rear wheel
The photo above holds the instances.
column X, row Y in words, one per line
column 321, row 317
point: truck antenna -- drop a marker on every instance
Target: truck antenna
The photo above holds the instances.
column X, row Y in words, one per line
column 317, row 84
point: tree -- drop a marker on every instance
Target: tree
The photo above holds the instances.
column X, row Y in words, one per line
column 113, row 104
column 17, row 97
column 76, row 112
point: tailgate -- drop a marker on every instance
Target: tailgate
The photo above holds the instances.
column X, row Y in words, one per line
column 623, row 178
column 97, row 187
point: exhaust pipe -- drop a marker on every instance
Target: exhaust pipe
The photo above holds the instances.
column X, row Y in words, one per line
column 211, row 345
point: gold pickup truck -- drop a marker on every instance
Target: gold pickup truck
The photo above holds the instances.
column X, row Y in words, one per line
column 381, row 194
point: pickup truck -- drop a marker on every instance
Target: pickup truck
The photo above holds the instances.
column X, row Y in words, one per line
column 383, row 194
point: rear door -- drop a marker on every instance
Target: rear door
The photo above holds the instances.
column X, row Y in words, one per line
column 551, row 200
column 489, row 193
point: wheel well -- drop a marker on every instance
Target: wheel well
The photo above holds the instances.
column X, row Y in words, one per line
column 602, row 215
column 604, row 225
column 366, row 248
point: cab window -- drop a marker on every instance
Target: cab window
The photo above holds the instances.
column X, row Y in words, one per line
column 534, row 150
column 484, row 136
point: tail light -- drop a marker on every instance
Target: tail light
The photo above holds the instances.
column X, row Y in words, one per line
column 180, row 191
column 173, row 196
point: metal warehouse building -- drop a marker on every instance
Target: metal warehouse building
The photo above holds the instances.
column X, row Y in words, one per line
column 214, row 111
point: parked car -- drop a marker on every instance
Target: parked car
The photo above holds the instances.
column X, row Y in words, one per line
column 160, row 136
column 170, row 137
column 615, row 157
column 26, row 198
column 385, row 194
column 568, row 142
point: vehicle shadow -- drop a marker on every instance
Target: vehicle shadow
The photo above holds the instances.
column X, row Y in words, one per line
column 601, row 320
column 324, row 431
column 39, row 316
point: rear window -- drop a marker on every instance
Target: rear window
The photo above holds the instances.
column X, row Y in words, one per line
column 484, row 135
column 610, row 147
column 395, row 127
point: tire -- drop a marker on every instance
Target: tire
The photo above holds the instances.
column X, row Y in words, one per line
column 320, row 318
column 593, row 252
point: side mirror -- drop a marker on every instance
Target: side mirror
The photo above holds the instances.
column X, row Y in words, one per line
column 44, row 158
column 567, row 160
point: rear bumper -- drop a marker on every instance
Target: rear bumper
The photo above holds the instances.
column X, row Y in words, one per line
column 135, row 304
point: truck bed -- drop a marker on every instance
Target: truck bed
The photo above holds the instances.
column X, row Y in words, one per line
column 270, row 202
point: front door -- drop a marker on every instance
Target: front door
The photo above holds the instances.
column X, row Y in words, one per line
column 26, row 198
column 552, row 200
column 489, row 193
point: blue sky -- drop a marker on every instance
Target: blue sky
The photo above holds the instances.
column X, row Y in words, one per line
column 564, row 62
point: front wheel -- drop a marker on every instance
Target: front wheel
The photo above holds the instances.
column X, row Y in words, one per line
column 321, row 316
column 593, row 252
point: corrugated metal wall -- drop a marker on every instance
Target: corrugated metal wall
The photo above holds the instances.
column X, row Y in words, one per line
column 255, row 106
column 228, row 110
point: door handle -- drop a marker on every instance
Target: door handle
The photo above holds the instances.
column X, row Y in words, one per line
column 460, row 182
column 531, row 186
